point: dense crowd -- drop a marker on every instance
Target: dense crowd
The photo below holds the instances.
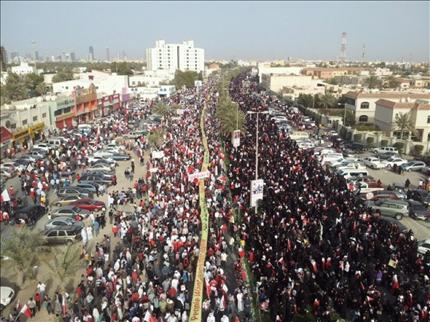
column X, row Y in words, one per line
column 313, row 246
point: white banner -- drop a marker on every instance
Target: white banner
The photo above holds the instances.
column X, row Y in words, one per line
column 29, row 168
column 235, row 138
column 198, row 175
column 257, row 187
column 5, row 195
column 157, row 154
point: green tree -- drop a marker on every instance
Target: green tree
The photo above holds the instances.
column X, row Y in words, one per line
column 121, row 68
column 305, row 99
column 14, row 89
column 373, row 82
column 62, row 75
column 349, row 118
column 186, row 78
column 155, row 138
column 392, row 82
column 327, row 101
column 33, row 83
column 230, row 117
column 65, row 264
column 162, row 109
column 404, row 124
column 21, row 247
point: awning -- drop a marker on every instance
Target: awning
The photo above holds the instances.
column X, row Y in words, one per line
column 5, row 134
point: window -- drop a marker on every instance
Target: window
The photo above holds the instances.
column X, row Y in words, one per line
column 52, row 234
column 364, row 105
column 61, row 233
column 66, row 87
column 67, row 110
column 44, row 115
column 34, row 118
column 13, row 126
column 57, row 112
column 428, row 119
column 24, row 122
column 363, row 118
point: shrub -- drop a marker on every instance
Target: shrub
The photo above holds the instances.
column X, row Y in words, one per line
column 399, row 146
column 418, row 150
column 357, row 137
column 384, row 143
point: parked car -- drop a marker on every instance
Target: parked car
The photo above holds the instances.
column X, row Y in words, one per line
column 6, row 296
column 102, row 154
column 30, row 214
column 42, row 146
column 66, row 235
column 100, row 167
column 89, row 204
column 388, row 155
column 395, row 161
column 385, row 150
column 71, row 212
column 418, row 211
column 61, row 222
column 121, row 156
column 387, row 194
column 374, row 163
column 419, row 195
column 91, row 187
column 424, row 246
column 413, row 166
column 67, row 200
column 426, row 170
column 98, row 159
column 74, row 191
column 390, row 208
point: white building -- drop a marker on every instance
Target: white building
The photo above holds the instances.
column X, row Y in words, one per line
column 23, row 69
column 151, row 78
column 175, row 56
column 364, row 104
column 267, row 69
column 104, row 82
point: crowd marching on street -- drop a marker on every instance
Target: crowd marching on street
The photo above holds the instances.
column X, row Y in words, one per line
column 313, row 246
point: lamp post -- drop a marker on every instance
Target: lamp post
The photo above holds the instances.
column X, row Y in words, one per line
column 256, row 144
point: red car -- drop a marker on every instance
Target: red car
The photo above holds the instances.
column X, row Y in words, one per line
column 89, row 204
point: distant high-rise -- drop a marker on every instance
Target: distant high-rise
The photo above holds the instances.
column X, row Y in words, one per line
column 91, row 53
column 107, row 54
column 175, row 56
column 72, row 56
column 3, row 58
column 124, row 56
column 14, row 55
column 36, row 55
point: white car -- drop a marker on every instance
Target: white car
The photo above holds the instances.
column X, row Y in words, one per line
column 424, row 246
column 100, row 167
column 103, row 154
column 374, row 163
column 395, row 161
column 6, row 296
column 42, row 146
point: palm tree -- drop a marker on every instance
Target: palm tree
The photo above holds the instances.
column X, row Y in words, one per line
column 21, row 248
column 229, row 116
column 155, row 138
column 162, row 109
column 65, row 264
column 403, row 123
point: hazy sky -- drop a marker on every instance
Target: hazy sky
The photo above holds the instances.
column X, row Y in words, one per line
column 248, row 30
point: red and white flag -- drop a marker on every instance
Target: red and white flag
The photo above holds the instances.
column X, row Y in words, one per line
column 26, row 311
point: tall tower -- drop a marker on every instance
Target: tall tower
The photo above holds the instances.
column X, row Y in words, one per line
column 342, row 57
column 363, row 53
column 91, row 53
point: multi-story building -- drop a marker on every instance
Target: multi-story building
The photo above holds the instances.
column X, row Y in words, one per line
column 364, row 104
column 327, row 73
column 3, row 58
column 85, row 103
column 63, row 113
column 175, row 56
column 418, row 113
column 108, row 103
column 91, row 53
column 23, row 69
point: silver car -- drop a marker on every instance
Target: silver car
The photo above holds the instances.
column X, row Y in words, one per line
column 390, row 208
column 70, row 212
column 61, row 222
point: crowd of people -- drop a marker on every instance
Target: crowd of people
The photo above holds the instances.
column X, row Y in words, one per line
column 314, row 248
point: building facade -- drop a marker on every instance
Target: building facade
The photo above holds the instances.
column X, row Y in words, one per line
column 85, row 106
column 175, row 56
column 364, row 104
column 23, row 69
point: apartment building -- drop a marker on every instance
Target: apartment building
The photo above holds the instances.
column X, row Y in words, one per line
column 175, row 56
column 419, row 115
column 363, row 104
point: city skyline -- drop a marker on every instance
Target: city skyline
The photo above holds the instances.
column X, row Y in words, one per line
column 269, row 30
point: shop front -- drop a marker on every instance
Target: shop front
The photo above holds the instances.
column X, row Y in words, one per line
column 64, row 121
column 5, row 138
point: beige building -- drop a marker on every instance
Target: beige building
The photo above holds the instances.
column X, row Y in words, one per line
column 293, row 85
column 419, row 111
column 364, row 104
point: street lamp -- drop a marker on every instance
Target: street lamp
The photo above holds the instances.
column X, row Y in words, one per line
column 256, row 151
